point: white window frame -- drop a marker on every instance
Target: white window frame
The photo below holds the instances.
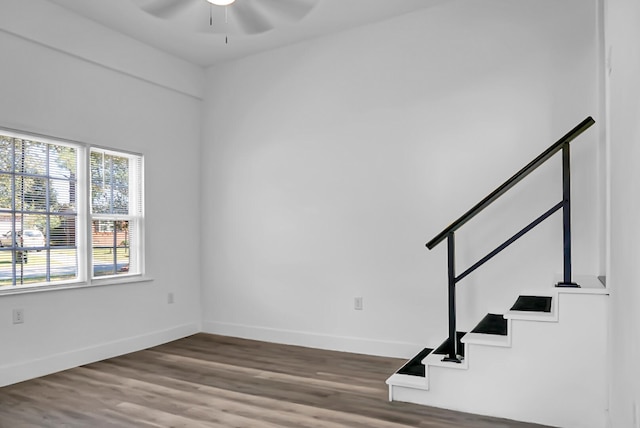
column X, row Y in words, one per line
column 84, row 245
column 135, row 204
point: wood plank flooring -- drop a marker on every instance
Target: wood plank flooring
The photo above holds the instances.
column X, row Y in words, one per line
column 214, row 381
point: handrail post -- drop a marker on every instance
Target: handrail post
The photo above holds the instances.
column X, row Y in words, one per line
column 566, row 218
column 451, row 260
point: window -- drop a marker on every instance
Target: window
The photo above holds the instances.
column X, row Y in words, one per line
column 69, row 212
column 116, row 212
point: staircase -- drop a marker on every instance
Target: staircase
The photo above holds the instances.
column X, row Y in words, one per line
column 542, row 361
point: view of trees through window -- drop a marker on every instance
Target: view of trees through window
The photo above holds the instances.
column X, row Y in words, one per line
column 39, row 220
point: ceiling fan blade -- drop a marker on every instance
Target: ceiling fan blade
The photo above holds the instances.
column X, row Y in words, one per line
column 291, row 10
column 167, row 9
column 241, row 17
column 250, row 19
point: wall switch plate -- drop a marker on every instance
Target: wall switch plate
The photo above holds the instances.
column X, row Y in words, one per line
column 357, row 303
column 18, row 316
column 170, row 299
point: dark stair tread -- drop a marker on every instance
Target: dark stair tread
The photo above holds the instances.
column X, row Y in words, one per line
column 444, row 348
column 532, row 304
column 492, row 324
column 415, row 367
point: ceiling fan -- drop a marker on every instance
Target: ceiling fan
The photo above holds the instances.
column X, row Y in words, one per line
column 228, row 16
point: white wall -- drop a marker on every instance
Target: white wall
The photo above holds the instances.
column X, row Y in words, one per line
column 623, row 33
column 47, row 91
column 327, row 165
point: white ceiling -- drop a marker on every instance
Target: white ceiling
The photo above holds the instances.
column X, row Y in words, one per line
column 205, row 49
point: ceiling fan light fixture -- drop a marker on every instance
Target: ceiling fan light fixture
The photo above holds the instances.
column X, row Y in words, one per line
column 221, row 2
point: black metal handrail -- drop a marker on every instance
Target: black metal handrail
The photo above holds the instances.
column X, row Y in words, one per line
column 449, row 233
column 502, row 189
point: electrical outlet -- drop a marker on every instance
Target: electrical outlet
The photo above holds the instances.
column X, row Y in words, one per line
column 357, row 303
column 18, row 316
column 170, row 298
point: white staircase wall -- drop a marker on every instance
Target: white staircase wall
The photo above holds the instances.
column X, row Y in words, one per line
column 554, row 373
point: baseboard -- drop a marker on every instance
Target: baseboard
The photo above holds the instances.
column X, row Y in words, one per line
column 314, row 340
column 14, row 373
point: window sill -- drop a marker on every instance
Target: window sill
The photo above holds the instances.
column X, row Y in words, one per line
column 115, row 280
column 12, row 290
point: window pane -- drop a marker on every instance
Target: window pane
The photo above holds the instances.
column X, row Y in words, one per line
column 30, row 157
column 109, row 184
column 6, row 191
column 64, row 264
column 7, row 237
column 9, row 262
column 31, row 230
column 62, row 162
column 6, row 221
column 6, row 153
column 62, row 231
column 98, row 183
column 6, row 269
column 62, row 195
column 110, row 261
column 110, row 247
column 33, row 268
column 122, row 233
column 31, row 193
column 28, row 267
column 120, row 183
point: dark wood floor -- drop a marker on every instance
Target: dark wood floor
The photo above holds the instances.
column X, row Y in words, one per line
column 214, row 381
